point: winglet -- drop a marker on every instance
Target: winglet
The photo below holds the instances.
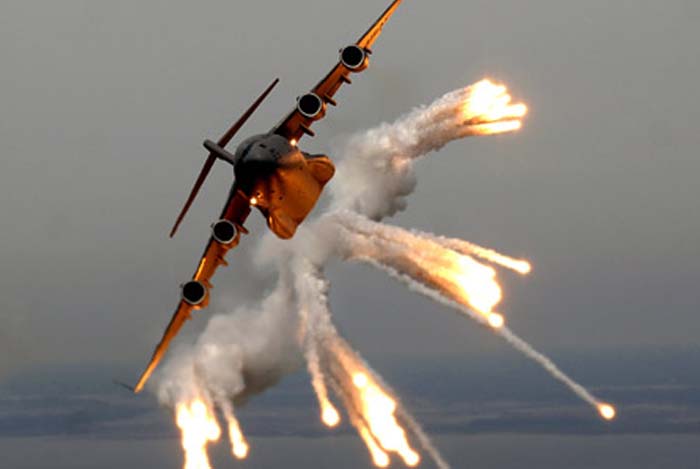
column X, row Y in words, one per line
column 144, row 377
column 223, row 141
column 123, row 385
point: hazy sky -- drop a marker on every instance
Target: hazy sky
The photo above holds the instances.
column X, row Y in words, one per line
column 103, row 107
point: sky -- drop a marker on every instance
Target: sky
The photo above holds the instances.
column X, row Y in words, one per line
column 105, row 105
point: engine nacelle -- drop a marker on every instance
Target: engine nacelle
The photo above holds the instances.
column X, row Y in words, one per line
column 311, row 106
column 354, row 58
column 195, row 294
column 224, row 232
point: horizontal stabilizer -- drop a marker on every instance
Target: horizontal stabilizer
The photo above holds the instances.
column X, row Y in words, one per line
column 223, row 141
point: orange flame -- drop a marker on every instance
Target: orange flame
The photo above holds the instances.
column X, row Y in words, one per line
column 497, row 321
column 329, row 414
column 521, row 266
column 478, row 284
column 199, row 427
column 239, row 445
column 490, row 111
column 607, row 411
column 497, row 127
column 378, row 410
column 379, row 457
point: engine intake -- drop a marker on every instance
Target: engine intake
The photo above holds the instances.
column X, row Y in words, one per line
column 194, row 293
column 354, row 58
column 224, row 232
column 311, row 106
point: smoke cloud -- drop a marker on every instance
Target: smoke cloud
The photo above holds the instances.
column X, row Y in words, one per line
column 238, row 354
column 244, row 353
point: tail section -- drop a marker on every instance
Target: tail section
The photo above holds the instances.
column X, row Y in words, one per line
column 221, row 144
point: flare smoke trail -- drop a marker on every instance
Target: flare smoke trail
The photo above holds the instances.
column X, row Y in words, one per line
column 243, row 353
column 465, row 247
column 417, row 261
column 376, row 166
column 334, row 360
column 317, row 331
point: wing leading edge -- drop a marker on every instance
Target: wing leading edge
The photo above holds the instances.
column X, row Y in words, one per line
column 296, row 125
column 235, row 211
column 237, row 207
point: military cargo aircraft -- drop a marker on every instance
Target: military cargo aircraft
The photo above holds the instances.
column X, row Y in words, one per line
column 271, row 174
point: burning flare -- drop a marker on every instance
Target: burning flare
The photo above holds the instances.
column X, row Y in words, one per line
column 497, row 321
column 470, row 249
column 371, row 407
column 424, row 264
column 478, row 283
column 239, row 445
column 490, row 111
column 607, row 411
column 459, row 276
column 377, row 177
column 329, row 414
column 378, row 409
column 199, row 427
column 379, row 456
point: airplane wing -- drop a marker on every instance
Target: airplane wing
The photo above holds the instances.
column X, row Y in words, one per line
column 296, row 124
column 235, row 211
column 237, row 208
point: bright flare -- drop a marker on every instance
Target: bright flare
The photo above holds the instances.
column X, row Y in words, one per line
column 465, row 247
column 497, row 128
column 199, row 427
column 490, row 102
column 497, row 321
column 490, row 111
column 239, row 445
column 378, row 410
column 379, row 457
column 478, row 285
column 329, row 414
column 524, row 267
column 607, row 411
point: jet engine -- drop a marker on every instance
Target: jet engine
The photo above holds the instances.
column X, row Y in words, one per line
column 224, row 232
column 195, row 294
column 354, row 58
column 312, row 106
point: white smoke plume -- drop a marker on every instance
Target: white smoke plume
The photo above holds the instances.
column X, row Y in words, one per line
column 376, row 166
column 242, row 353
column 331, row 360
column 238, row 354
column 550, row 366
column 404, row 255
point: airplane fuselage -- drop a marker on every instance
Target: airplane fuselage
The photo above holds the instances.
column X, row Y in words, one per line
column 271, row 173
column 282, row 181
